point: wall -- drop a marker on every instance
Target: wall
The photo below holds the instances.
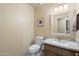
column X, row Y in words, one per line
column 45, row 12
column 16, row 28
column 77, row 33
column 42, row 12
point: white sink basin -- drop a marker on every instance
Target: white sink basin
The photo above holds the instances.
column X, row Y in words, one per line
column 60, row 42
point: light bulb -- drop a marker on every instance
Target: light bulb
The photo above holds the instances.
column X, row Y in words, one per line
column 60, row 8
column 65, row 6
column 56, row 9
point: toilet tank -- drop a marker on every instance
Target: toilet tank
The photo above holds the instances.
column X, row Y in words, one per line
column 39, row 40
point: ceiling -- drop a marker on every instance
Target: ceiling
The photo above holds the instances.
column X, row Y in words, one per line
column 41, row 4
column 37, row 4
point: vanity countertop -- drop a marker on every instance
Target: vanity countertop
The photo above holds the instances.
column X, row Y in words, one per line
column 71, row 45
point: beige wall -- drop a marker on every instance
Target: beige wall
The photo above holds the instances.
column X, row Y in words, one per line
column 16, row 28
column 44, row 12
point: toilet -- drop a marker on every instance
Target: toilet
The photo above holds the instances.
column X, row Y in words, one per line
column 34, row 49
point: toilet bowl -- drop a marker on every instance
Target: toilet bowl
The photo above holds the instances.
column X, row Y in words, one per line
column 34, row 49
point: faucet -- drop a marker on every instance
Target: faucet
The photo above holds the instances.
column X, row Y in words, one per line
column 59, row 38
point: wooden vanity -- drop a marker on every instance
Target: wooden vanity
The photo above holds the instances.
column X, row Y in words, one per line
column 50, row 50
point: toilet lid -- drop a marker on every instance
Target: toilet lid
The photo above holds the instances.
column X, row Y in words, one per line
column 34, row 48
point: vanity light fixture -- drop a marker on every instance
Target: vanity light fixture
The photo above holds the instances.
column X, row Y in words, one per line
column 60, row 8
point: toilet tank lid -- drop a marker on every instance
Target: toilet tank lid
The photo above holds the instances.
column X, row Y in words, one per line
column 39, row 40
column 40, row 37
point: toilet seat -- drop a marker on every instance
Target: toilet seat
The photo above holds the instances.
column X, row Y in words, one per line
column 34, row 48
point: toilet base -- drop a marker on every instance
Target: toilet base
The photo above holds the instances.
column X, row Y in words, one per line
column 37, row 54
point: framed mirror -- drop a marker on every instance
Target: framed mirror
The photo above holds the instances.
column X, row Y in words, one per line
column 62, row 23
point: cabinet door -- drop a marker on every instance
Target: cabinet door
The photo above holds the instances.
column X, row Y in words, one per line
column 57, row 51
column 49, row 53
column 77, row 53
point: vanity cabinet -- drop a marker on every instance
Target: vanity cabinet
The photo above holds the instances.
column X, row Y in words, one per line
column 50, row 50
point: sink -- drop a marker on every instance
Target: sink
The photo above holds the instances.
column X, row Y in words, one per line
column 59, row 42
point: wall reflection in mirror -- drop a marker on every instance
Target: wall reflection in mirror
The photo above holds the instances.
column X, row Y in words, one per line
column 63, row 25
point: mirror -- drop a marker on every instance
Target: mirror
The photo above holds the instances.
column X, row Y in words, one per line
column 62, row 23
